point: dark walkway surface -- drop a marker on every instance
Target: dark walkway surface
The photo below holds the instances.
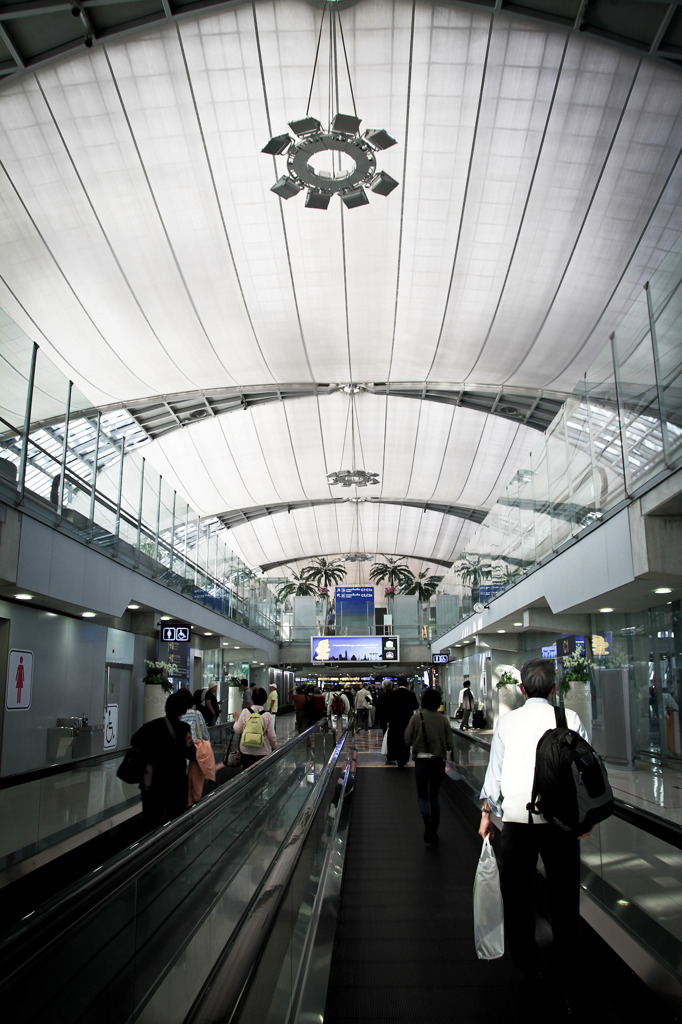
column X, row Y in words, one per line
column 404, row 950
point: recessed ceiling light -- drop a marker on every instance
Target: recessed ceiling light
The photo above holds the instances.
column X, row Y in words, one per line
column 502, row 631
column 88, row 615
column 24, row 597
column 237, row 648
column 517, row 623
column 208, row 634
column 606, row 610
column 663, row 590
column 133, row 607
column 165, row 618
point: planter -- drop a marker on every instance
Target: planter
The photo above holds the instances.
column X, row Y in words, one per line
column 579, row 699
column 508, row 699
column 154, row 701
column 234, row 699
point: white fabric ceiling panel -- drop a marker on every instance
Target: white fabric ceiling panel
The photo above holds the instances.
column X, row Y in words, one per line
column 199, row 464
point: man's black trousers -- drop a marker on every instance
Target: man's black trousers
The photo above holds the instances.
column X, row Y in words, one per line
column 521, row 845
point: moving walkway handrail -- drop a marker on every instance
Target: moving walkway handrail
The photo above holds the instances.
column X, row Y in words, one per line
column 653, row 824
column 221, row 995
column 68, row 907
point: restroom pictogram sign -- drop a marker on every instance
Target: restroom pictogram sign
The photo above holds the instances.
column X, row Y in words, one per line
column 19, row 680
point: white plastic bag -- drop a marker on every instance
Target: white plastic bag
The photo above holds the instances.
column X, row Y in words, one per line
column 488, row 910
column 384, row 743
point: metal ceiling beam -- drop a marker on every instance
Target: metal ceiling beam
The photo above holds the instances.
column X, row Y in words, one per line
column 38, row 32
column 238, row 517
column 161, row 414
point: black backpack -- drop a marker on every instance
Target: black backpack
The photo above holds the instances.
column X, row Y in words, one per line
column 570, row 788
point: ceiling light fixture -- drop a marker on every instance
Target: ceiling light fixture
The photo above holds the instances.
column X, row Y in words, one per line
column 23, row 597
column 663, row 590
column 88, row 615
column 352, row 477
column 338, row 159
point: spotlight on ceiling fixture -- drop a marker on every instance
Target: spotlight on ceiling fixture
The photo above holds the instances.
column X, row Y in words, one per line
column 379, row 139
column 317, row 200
column 277, row 145
column 383, row 184
column 345, row 124
column 354, row 197
column 286, row 187
column 305, row 126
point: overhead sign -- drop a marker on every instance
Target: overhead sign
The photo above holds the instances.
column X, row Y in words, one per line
column 178, row 632
column 440, row 659
column 354, row 600
column 354, row 648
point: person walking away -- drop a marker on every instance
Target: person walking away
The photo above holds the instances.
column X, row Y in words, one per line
column 467, row 702
column 167, row 745
column 272, row 703
column 297, row 697
column 195, row 774
column 430, row 736
column 403, row 705
column 212, row 704
column 258, row 738
column 507, row 790
column 338, row 709
column 247, row 694
column 362, row 705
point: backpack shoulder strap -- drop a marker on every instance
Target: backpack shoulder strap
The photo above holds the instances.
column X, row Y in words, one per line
column 560, row 717
column 426, row 741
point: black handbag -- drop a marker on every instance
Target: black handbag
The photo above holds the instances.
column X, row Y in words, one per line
column 458, row 713
column 132, row 767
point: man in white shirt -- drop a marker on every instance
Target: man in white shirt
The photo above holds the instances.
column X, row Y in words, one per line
column 467, row 702
column 363, row 702
column 507, row 789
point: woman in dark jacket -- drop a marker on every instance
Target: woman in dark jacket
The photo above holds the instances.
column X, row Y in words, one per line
column 430, row 735
column 167, row 745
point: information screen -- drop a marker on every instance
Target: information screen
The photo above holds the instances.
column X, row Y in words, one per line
column 354, row 648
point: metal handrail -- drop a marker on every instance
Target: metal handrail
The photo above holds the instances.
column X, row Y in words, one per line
column 69, row 906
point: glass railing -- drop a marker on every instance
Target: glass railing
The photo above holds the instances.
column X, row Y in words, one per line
column 42, row 809
column 139, row 937
column 84, row 471
column 619, row 431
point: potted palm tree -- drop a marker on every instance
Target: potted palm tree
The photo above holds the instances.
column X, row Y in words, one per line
column 423, row 585
column 393, row 572
column 474, row 571
column 324, row 573
column 157, row 686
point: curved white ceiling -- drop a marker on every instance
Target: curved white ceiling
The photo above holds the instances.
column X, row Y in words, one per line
column 142, row 248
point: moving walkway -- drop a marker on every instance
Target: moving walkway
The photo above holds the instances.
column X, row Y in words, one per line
column 234, row 911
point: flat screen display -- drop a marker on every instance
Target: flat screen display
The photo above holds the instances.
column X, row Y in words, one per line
column 354, row 648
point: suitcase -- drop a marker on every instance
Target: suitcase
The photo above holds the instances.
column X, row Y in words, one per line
column 478, row 720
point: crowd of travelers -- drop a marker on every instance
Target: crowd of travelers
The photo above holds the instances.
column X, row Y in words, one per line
column 179, row 763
